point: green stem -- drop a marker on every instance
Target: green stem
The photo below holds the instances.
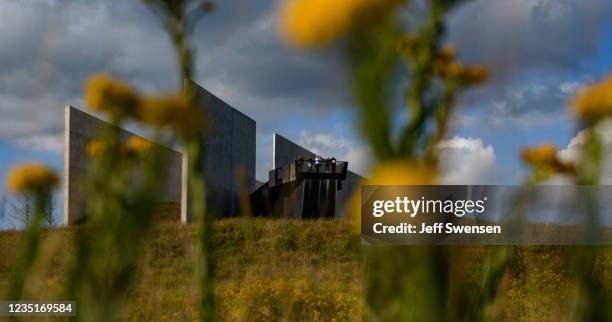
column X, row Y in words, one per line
column 420, row 84
column 194, row 147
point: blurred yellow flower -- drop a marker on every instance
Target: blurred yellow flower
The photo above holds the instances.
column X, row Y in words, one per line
column 447, row 53
column 104, row 94
column 173, row 111
column 161, row 111
column 453, row 70
column 31, row 177
column 408, row 44
column 595, row 100
column 309, row 23
column 94, row 148
column 395, row 173
column 545, row 161
column 444, row 61
column 136, row 144
column 469, row 75
column 402, row 172
column 475, row 74
column 543, row 153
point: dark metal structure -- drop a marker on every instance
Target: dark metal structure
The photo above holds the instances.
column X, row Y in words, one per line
column 302, row 189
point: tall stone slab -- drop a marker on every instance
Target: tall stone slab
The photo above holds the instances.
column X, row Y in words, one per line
column 285, row 151
column 229, row 145
column 79, row 129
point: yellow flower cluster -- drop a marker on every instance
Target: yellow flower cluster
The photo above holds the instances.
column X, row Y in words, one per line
column 594, row 101
column 309, row 23
column 173, row 111
column 544, row 153
column 447, row 53
column 31, row 177
column 137, row 144
column 469, row 75
column 408, row 45
column 443, row 62
column 402, row 172
column 94, row 148
column 545, row 161
column 392, row 173
column 104, row 94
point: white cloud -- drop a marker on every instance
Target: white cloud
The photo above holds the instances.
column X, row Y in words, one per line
column 573, row 151
column 569, row 87
column 43, row 143
column 467, row 161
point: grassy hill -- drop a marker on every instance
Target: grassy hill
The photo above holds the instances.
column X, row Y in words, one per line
column 271, row 270
column 267, row 269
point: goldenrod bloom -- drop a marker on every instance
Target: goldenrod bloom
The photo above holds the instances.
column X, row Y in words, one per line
column 545, row 161
column 543, row 153
column 172, row 111
column 402, row 172
column 469, row 75
column 595, row 100
column 308, row 23
column 394, row 173
column 447, row 53
column 31, row 177
column 161, row 111
column 475, row 74
column 408, row 44
column 453, row 70
column 94, row 148
column 104, row 94
column 137, row 144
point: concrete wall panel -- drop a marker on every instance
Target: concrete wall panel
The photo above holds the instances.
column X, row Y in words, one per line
column 79, row 129
column 229, row 144
column 243, row 155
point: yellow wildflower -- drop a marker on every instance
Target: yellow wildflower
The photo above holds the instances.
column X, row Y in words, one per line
column 396, row 173
column 545, row 161
column 594, row 100
column 408, row 44
column 308, row 23
column 469, row 75
column 173, row 111
column 161, row 111
column 31, row 177
column 475, row 74
column 402, row 172
column 104, row 94
column 544, row 153
column 453, row 70
column 137, row 144
column 94, row 148
column 447, row 53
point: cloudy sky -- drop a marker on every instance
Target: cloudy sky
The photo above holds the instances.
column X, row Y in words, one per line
column 539, row 51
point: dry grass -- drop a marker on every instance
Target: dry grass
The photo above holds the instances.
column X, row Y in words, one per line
column 285, row 270
column 267, row 270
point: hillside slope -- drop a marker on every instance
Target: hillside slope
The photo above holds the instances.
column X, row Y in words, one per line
column 273, row 270
column 267, row 269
